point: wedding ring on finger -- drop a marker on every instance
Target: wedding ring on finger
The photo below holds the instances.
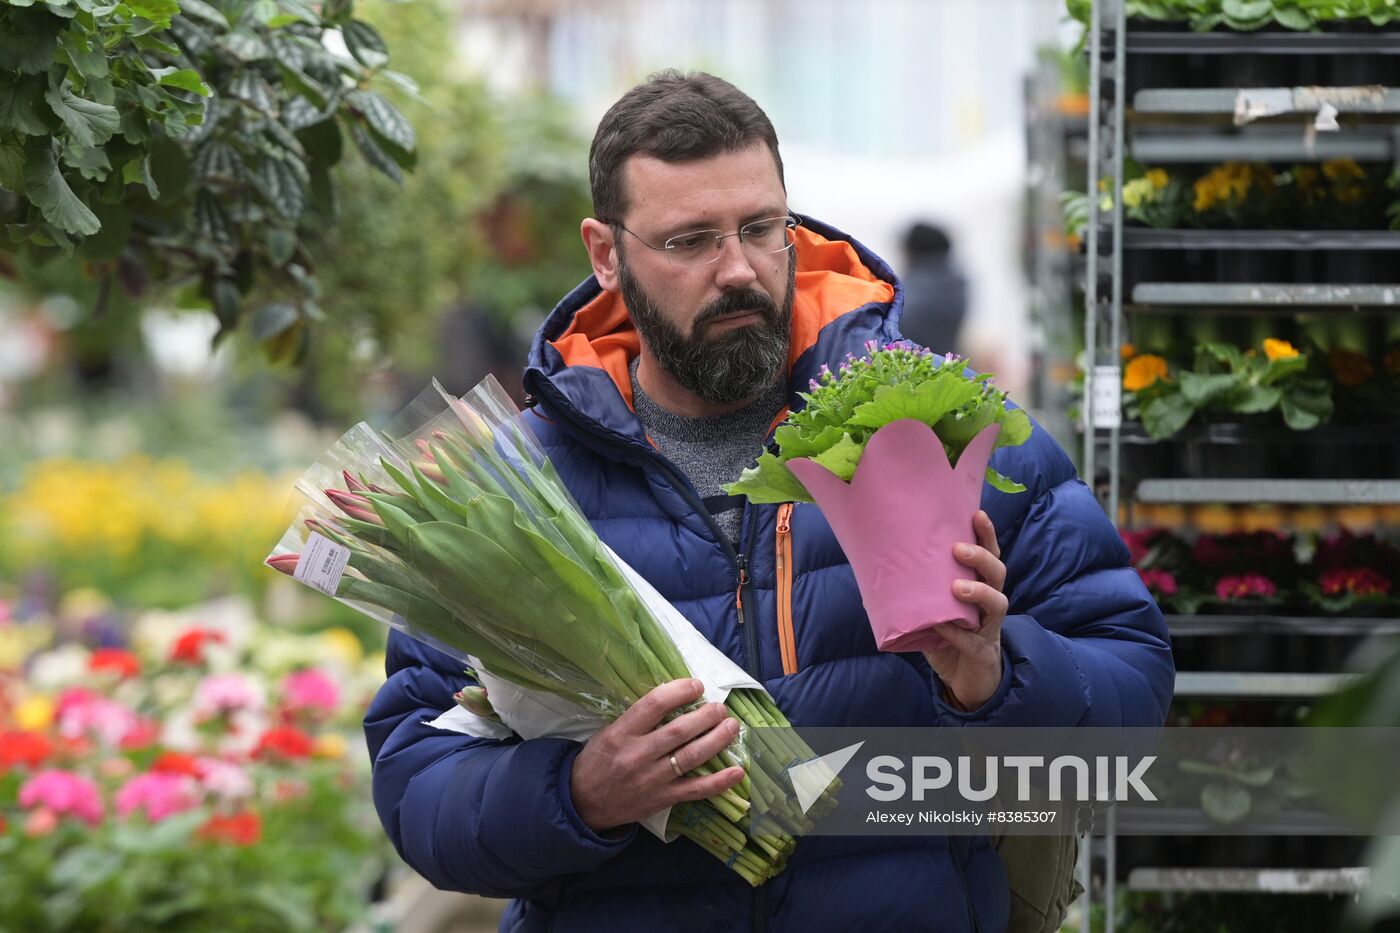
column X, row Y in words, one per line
column 676, row 767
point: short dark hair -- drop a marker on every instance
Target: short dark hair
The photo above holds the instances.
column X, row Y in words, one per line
column 673, row 117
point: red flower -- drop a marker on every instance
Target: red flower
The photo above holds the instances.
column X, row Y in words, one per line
column 189, row 647
column 240, row 829
column 176, row 763
column 1363, row 581
column 1140, row 542
column 1242, row 587
column 284, row 742
column 23, row 748
column 119, row 661
column 1159, row 581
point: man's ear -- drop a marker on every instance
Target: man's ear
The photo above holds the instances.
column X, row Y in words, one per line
column 598, row 239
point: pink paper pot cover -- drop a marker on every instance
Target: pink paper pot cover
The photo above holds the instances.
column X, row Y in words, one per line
column 897, row 520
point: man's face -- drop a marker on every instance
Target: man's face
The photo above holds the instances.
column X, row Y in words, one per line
column 720, row 329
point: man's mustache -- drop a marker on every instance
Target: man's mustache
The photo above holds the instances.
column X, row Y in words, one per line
column 744, row 302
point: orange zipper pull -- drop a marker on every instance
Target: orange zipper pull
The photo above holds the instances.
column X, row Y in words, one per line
column 784, row 518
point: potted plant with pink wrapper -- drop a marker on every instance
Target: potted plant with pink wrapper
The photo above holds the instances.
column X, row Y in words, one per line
column 893, row 449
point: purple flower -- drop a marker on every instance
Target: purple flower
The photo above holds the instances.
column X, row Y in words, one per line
column 813, row 384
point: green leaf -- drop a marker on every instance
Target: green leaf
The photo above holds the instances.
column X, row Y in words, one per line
column 22, row 106
column 91, row 162
column 90, row 123
column 47, row 189
column 209, row 219
column 198, row 9
column 1255, row 399
column 1247, row 9
column 28, row 39
column 1162, row 417
column 365, row 44
column 250, row 88
column 244, row 46
column 282, row 186
column 88, row 61
column 383, row 117
column 1282, row 368
column 928, row 401
column 12, row 166
column 273, row 319
column 108, row 243
column 1225, row 803
column 281, row 245
column 1015, row 429
column 768, row 481
column 1254, row 777
column 795, row 441
column 375, row 155
column 1307, row 405
column 138, row 171
column 186, row 79
column 1201, row 390
column 1290, row 17
column 1002, row 483
column 842, row 457
column 158, row 12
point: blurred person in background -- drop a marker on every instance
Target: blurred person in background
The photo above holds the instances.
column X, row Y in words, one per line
column 654, row 383
column 935, row 290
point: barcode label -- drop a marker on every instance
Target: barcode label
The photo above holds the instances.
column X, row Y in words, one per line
column 322, row 563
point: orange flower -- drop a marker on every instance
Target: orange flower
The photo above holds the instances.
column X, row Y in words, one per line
column 1349, row 368
column 1144, row 371
column 1279, row 349
column 240, row 829
column 23, row 748
column 1127, row 351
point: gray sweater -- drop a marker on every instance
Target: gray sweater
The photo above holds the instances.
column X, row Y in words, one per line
column 712, row 452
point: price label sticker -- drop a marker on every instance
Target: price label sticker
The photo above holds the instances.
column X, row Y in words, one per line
column 1106, row 404
column 322, row 563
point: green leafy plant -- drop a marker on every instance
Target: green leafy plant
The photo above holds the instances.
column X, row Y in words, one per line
column 844, row 410
column 191, row 144
column 1226, row 379
column 1248, row 15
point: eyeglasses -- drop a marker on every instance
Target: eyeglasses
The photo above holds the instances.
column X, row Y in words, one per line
column 702, row 247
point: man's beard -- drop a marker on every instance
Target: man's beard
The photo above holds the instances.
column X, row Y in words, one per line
column 737, row 364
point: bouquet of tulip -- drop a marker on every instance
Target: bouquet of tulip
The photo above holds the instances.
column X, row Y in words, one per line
column 453, row 527
column 896, row 434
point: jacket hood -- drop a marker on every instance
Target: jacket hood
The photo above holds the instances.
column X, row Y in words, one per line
column 578, row 362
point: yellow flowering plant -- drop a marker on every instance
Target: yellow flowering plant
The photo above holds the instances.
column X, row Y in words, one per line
column 1226, row 379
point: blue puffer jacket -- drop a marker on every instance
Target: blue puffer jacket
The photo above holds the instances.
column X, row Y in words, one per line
column 1083, row 644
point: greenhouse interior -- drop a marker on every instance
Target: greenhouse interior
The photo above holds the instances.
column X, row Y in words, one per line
column 295, row 285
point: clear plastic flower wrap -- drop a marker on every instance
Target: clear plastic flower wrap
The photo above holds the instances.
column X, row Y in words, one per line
column 452, row 526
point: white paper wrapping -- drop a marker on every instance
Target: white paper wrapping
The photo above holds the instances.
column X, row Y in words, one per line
column 533, row 714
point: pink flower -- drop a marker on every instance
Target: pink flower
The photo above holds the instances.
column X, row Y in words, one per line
column 1242, row 587
column 1363, row 581
column 1159, row 581
column 224, row 779
column 1140, row 542
column 83, row 713
column 64, row 793
column 40, row 823
column 219, row 694
column 159, row 794
column 311, row 690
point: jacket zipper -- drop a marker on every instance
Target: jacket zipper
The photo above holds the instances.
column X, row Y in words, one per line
column 787, row 638
column 683, row 484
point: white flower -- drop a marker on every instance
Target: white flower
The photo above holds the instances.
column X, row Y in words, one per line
column 64, row 666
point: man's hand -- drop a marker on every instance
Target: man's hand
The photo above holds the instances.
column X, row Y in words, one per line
column 969, row 662
column 624, row 771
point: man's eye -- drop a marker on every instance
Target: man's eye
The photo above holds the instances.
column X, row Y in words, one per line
column 759, row 230
column 689, row 241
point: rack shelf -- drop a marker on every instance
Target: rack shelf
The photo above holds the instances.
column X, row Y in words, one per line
column 1269, row 294
column 1310, row 491
column 1294, row 240
column 1277, row 101
column 1332, row 626
column 1265, row 144
column 1282, row 686
column 1241, row 434
column 1180, row 821
column 1251, row 880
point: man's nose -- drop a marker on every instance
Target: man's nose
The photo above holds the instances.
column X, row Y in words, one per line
column 733, row 268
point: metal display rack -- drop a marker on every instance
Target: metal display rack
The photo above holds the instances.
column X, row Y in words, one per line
column 1176, row 124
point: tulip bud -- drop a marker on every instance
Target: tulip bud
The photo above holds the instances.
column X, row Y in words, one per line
column 355, row 506
column 432, row 471
column 351, row 483
column 286, row 563
column 473, row 700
